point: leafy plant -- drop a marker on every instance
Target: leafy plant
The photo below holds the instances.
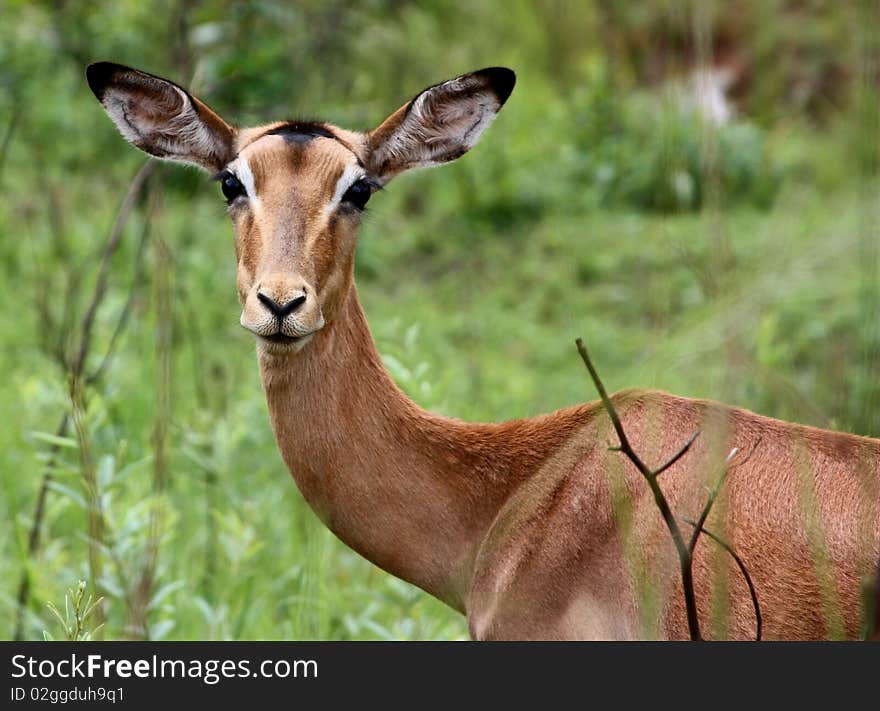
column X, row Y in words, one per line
column 78, row 608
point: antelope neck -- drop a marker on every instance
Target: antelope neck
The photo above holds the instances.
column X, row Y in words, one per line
column 413, row 492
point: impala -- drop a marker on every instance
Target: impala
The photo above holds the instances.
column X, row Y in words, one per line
column 533, row 528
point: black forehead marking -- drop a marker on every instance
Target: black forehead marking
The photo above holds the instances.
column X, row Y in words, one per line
column 301, row 131
column 304, row 131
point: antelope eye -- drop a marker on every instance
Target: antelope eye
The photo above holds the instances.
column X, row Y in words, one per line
column 231, row 187
column 358, row 194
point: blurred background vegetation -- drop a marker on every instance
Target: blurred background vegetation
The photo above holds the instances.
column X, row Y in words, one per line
column 718, row 243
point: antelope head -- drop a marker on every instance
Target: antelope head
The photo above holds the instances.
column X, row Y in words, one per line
column 296, row 191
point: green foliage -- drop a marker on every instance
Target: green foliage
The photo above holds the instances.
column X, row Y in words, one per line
column 650, row 153
column 737, row 264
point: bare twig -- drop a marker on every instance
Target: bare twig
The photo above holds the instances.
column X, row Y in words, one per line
column 54, row 332
column 678, row 455
column 58, row 328
column 684, row 553
column 612, row 413
column 699, row 527
column 742, row 567
column 704, row 514
column 124, row 314
column 9, row 133
column 134, row 191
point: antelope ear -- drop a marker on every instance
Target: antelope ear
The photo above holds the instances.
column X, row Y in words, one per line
column 160, row 117
column 440, row 124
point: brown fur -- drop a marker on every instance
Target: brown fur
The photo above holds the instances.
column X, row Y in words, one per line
column 532, row 528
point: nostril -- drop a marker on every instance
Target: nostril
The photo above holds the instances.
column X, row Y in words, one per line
column 281, row 310
column 269, row 302
column 294, row 304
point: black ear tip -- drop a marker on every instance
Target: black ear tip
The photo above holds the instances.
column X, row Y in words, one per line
column 502, row 81
column 100, row 74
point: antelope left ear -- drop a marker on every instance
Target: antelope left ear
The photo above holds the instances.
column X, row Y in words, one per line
column 440, row 124
column 161, row 118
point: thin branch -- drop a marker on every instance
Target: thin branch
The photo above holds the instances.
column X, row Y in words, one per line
column 684, row 554
column 612, row 413
column 742, row 567
column 9, row 133
column 134, row 191
column 54, row 332
column 124, row 314
column 704, row 514
column 681, row 452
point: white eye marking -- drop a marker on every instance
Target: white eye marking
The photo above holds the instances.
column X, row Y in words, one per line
column 247, row 179
column 349, row 177
column 241, row 170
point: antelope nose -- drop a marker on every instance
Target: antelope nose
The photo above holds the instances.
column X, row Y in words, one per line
column 281, row 310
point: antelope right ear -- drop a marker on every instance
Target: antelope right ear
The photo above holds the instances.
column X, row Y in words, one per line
column 440, row 124
column 160, row 117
